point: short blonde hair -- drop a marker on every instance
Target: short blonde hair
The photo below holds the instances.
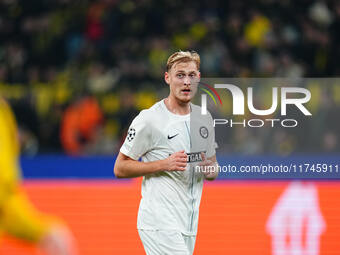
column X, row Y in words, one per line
column 183, row 57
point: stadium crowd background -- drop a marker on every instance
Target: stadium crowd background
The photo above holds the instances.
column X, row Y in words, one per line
column 77, row 72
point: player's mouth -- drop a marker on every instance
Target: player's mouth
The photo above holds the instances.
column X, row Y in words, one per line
column 186, row 91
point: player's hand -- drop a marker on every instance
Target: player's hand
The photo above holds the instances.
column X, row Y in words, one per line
column 176, row 161
column 208, row 168
column 58, row 241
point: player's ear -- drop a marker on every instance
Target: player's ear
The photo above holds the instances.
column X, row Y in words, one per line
column 167, row 77
column 198, row 78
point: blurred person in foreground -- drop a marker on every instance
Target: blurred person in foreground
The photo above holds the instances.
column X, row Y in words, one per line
column 176, row 144
column 18, row 217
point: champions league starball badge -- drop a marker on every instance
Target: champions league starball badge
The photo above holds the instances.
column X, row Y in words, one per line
column 204, row 132
column 131, row 134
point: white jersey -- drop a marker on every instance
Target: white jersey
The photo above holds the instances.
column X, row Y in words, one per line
column 170, row 199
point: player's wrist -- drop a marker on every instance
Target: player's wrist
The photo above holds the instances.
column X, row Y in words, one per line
column 160, row 165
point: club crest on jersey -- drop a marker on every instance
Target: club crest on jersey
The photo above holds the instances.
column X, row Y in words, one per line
column 204, row 132
column 131, row 134
column 195, row 157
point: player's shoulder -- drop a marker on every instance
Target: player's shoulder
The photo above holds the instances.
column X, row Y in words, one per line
column 151, row 114
column 197, row 111
column 195, row 108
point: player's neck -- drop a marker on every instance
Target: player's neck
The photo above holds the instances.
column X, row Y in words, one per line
column 176, row 107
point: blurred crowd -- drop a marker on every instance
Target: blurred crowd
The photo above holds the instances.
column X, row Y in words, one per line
column 78, row 71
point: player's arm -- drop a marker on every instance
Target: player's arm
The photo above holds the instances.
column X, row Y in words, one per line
column 18, row 217
column 126, row 167
column 210, row 163
column 21, row 220
column 210, row 166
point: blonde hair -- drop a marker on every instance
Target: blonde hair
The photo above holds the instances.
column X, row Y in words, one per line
column 183, row 57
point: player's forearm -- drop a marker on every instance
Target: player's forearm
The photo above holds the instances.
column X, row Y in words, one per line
column 127, row 168
column 21, row 219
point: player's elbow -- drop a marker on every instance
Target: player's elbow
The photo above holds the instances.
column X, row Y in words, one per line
column 122, row 168
column 117, row 170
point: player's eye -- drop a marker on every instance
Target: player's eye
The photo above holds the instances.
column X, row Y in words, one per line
column 192, row 75
column 180, row 75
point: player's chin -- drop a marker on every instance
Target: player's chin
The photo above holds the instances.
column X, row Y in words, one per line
column 185, row 99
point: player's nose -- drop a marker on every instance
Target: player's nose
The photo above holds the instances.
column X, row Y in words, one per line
column 187, row 81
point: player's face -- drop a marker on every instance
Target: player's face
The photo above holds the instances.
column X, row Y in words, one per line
column 183, row 79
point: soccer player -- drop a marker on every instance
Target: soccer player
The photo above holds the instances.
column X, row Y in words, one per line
column 18, row 217
column 172, row 138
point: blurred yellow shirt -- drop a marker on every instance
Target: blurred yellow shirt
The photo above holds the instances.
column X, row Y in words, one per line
column 18, row 218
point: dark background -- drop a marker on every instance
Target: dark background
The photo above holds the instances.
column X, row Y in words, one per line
column 62, row 59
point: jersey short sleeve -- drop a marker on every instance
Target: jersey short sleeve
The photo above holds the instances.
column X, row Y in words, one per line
column 138, row 138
